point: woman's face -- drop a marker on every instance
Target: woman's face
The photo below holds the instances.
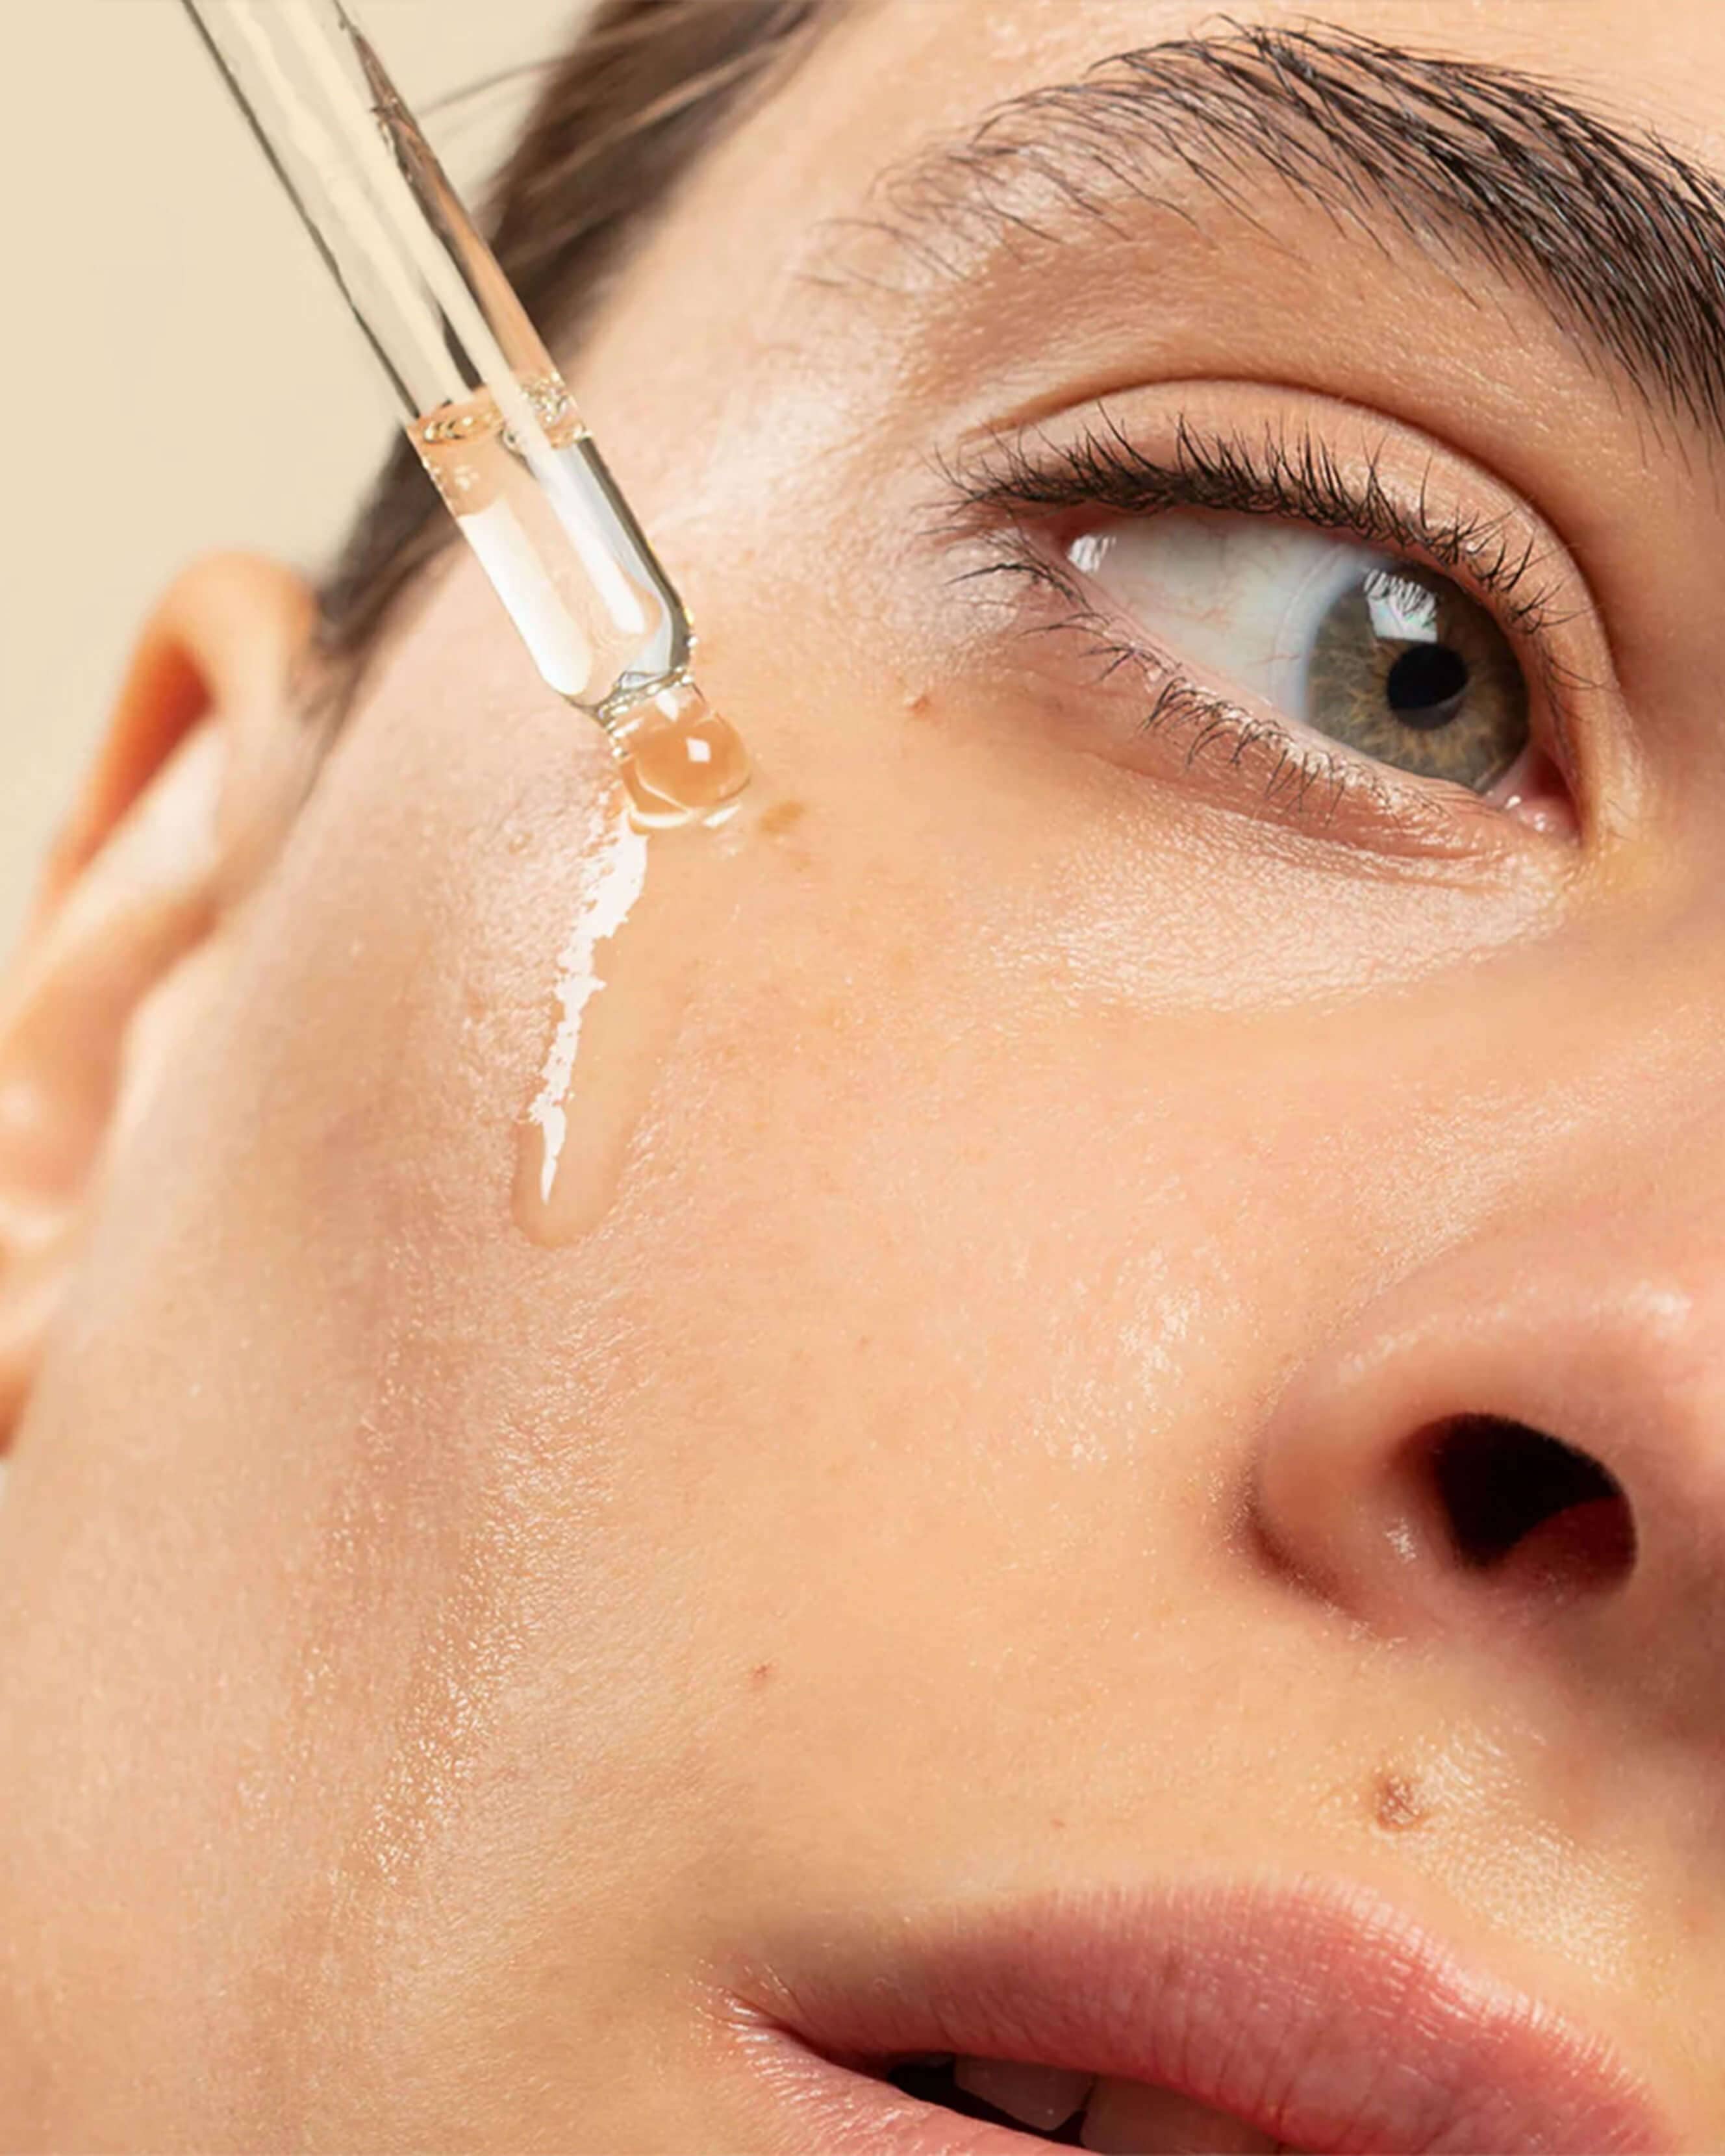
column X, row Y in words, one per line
column 1002, row 1451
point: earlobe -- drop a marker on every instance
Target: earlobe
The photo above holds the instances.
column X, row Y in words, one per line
column 204, row 762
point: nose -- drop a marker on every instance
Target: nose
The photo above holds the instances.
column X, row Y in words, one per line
column 1526, row 1441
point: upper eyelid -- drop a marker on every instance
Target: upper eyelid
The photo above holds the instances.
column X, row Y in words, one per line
column 1277, row 474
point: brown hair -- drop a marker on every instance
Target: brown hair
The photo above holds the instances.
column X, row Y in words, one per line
column 625, row 113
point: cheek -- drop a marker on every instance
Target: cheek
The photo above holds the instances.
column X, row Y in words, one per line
column 942, row 1165
column 930, row 1221
column 975, row 1055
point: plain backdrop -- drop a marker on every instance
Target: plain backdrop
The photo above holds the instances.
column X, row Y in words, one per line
column 178, row 371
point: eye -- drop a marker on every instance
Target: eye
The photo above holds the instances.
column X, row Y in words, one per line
column 1382, row 655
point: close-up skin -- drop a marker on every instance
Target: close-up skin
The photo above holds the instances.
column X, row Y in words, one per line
column 1132, row 1478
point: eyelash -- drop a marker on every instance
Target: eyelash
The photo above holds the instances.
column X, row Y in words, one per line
column 1292, row 476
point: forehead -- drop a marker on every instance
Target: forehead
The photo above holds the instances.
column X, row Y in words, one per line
column 890, row 74
column 862, row 173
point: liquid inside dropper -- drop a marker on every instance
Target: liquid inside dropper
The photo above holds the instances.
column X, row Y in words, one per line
column 555, row 549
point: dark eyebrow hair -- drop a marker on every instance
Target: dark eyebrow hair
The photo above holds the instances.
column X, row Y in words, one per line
column 1623, row 237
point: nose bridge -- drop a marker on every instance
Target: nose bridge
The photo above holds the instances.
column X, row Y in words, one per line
column 1625, row 1070
column 1646, row 1174
column 1637, row 1226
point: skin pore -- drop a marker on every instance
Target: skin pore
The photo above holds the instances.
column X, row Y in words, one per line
column 978, row 1451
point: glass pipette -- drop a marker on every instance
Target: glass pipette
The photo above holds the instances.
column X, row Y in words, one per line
column 482, row 402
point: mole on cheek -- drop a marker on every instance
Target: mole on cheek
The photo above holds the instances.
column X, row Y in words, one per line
column 1398, row 1802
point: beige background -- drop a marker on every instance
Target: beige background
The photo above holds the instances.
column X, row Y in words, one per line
column 178, row 371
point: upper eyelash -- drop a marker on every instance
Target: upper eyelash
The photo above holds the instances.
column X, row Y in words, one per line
column 1276, row 474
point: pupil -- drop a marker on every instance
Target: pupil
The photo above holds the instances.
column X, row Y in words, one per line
column 1426, row 683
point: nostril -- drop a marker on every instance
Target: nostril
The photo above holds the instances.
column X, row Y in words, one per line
column 1516, row 1500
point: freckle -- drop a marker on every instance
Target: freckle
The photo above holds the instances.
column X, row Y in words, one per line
column 762, row 1673
column 1397, row 1802
column 778, row 819
column 1059, row 1825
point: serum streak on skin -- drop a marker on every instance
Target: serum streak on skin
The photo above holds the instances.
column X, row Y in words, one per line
column 649, row 905
column 559, row 1190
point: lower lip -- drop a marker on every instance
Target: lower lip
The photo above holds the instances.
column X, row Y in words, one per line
column 838, row 2112
column 1167, row 1991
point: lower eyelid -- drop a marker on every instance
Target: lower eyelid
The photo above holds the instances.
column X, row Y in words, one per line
column 1167, row 723
column 1534, row 792
column 1287, row 757
column 1313, row 776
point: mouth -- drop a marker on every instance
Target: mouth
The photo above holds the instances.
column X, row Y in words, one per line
column 1078, row 2110
column 1216, row 2016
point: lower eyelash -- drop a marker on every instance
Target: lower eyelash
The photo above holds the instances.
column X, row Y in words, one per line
column 1304, row 769
column 1314, row 780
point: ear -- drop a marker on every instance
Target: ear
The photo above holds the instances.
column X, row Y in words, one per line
column 205, row 759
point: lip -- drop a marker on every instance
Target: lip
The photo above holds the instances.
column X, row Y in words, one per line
column 1314, row 2011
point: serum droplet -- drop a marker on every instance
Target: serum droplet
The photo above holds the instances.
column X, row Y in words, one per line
column 682, row 763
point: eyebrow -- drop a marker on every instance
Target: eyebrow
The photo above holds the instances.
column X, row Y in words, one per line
column 1622, row 238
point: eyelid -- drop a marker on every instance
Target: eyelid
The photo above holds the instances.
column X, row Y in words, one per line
column 1025, row 494
column 1299, row 773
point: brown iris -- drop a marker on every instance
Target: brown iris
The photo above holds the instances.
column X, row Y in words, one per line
column 1406, row 668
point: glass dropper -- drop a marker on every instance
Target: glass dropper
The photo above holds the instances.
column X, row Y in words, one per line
column 482, row 403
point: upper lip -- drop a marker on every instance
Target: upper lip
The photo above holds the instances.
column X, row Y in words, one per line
column 1314, row 2011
